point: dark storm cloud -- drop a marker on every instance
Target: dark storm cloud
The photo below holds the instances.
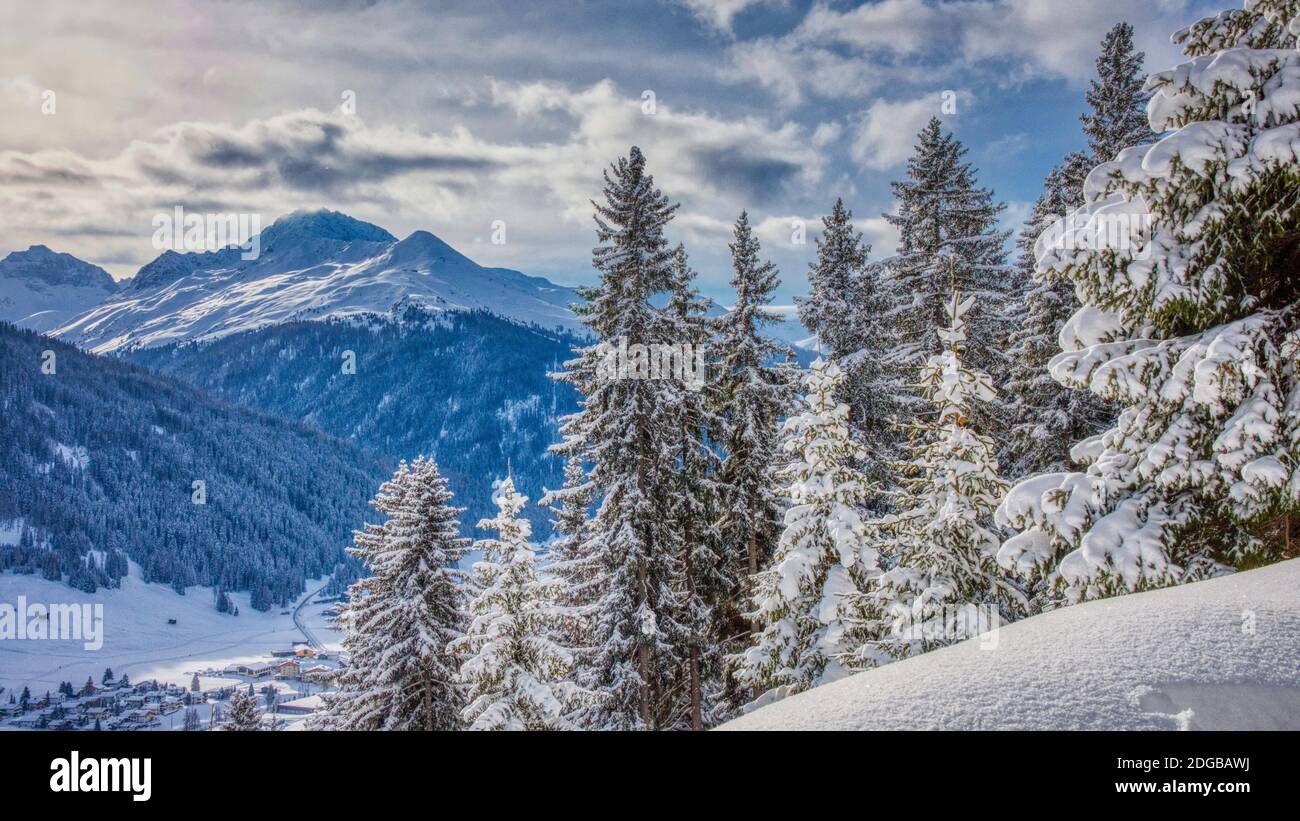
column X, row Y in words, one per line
column 20, row 170
column 760, row 179
column 307, row 152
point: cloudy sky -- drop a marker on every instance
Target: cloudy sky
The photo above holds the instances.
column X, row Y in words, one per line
column 470, row 112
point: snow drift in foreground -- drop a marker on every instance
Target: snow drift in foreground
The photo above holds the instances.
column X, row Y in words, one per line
column 1222, row 654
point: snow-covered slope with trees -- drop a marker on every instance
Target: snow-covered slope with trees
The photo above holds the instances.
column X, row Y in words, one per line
column 1215, row 655
column 311, row 265
column 469, row 389
column 102, row 461
column 41, row 289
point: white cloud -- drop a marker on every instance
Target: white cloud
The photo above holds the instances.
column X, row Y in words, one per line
column 455, row 182
column 854, row 52
column 886, row 134
column 720, row 14
column 827, row 133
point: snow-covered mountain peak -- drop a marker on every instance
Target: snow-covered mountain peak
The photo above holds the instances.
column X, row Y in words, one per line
column 172, row 265
column 322, row 224
column 424, row 247
column 41, row 289
column 38, row 265
column 309, row 265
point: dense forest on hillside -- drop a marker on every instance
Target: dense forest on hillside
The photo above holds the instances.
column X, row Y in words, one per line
column 99, row 461
column 467, row 388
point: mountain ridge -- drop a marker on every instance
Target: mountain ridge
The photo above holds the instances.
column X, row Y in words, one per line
column 41, row 289
column 311, row 265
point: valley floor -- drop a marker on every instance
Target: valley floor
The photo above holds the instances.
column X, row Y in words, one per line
column 139, row 642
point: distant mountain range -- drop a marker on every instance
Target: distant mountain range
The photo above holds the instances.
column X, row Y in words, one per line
column 401, row 347
column 468, row 388
column 41, row 289
column 312, row 265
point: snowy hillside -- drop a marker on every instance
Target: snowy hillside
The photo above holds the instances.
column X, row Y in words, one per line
column 468, row 388
column 137, row 639
column 311, row 265
column 41, row 289
column 1217, row 654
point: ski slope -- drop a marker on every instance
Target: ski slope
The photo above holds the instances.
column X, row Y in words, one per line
column 1222, row 654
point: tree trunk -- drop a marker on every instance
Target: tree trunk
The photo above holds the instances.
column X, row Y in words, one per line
column 428, row 703
column 697, row 723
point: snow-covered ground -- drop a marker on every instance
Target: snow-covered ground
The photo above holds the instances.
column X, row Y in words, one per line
column 139, row 642
column 1215, row 655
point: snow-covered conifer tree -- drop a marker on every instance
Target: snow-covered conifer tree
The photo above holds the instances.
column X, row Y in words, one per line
column 943, row 214
column 942, row 583
column 243, row 715
column 625, row 431
column 401, row 619
column 845, row 308
column 753, row 389
column 513, row 669
column 1045, row 417
column 1116, row 97
column 693, row 504
column 1185, row 257
column 823, row 553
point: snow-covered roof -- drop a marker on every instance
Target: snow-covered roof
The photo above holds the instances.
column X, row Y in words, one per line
column 1217, row 654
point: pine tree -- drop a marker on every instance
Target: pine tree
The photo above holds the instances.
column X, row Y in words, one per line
column 194, row 683
column 573, row 563
column 943, row 214
column 1191, row 323
column 752, row 391
column 108, row 675
column 694, row 505
column 244, row 716
column 823, row 553
column 514, row 672
column 569, row 560
column 942, row 583
column 1116, row 98
column 400, row 620
column 1045, row 416
column 846, row 308
column 624, row 432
